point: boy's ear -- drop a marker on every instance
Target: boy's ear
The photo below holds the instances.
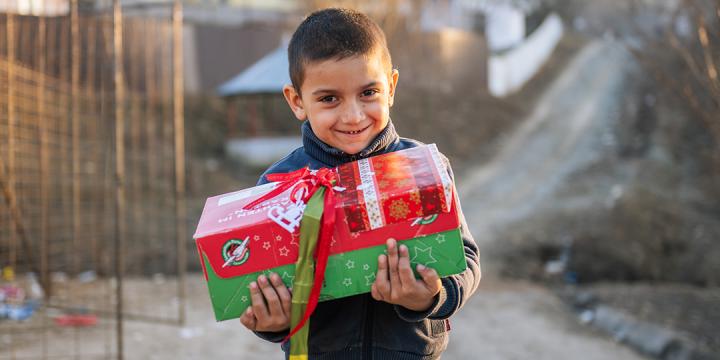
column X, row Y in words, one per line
column 394, row 75
column 295, row 101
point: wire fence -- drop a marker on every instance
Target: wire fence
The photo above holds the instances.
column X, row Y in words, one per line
column 92, row 171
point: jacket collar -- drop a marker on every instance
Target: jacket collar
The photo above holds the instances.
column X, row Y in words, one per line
column 334, row 157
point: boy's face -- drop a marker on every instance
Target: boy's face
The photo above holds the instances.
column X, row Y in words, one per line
column 347, row 101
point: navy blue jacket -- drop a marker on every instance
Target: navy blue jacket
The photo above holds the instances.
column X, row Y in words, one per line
column 360, row 327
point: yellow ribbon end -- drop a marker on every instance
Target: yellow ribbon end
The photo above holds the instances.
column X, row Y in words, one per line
column 299, row 357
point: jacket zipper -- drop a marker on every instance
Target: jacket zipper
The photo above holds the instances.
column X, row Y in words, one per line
column 367, row 337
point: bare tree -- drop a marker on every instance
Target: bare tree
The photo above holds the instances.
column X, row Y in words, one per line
column 683, row 56
column 690, row 47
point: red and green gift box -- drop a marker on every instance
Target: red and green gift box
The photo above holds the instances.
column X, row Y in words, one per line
column 406, row 195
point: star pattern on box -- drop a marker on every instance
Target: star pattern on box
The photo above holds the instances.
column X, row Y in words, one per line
column 284, row 251
column 366, row 267
column 286, row 276
column 347, row 282
column 256, row 237
column 266, row 245
column 294, row 240
column 369, row 279
column 423, row 256
column 278, row 238
column 332, row 241
column 244, row 298
column 440, row 238
column 350, row 264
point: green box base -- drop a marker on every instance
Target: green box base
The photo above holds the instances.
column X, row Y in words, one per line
column 347, row 274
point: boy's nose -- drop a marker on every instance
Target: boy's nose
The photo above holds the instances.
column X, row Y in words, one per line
column 353, row 113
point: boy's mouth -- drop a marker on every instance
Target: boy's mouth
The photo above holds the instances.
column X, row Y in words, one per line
column 354, row 132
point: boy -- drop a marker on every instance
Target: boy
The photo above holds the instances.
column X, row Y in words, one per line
column 343, row 84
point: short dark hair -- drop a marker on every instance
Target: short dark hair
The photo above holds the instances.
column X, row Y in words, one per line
column 334, row 33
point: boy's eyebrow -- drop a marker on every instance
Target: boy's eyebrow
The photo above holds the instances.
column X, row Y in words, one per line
column 330, row 91
column 371, row 84
column 322, row 91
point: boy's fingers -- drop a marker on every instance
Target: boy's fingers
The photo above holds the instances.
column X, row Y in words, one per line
column 258, row 302
column 381, row 279
column 248, row 319
column 271, row 296
column 430, row 278
column 283, row 293
column 392, row 258
column 375, row 293
column 407, row 278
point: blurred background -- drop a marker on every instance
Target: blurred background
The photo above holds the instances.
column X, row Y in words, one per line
column 584, row 135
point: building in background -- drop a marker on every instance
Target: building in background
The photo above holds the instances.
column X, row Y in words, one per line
column 36, row 7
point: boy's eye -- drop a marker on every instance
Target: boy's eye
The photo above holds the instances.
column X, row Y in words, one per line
column 328, row 99
column 370, row 92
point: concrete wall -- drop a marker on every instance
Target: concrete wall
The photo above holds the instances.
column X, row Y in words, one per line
column 510, row 70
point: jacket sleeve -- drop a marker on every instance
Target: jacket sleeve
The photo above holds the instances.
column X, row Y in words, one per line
column 456, row 289
column 272, row 336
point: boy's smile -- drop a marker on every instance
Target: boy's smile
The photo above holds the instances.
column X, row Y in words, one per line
column 347, row 101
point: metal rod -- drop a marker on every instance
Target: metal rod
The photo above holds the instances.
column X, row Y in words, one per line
column 75, row 94
column 12, row 260
column 91, row 101
column 65, row 129
column 151, row 117
column 134, row 172
column 166, row 139
column 178, row 115
column 119, row 169
column 44, row 274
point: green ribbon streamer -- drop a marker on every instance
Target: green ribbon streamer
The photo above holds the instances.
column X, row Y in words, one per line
column 304, row 272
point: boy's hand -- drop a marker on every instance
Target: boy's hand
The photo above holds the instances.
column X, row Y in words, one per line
column 395, row 282
column 270, row 310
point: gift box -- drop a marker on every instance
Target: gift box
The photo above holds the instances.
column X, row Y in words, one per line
column 406, row 195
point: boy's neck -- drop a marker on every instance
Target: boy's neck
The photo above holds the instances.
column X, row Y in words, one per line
column 334, row 157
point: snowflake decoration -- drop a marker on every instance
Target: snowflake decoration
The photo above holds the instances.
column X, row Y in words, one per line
column 399, row 209
column 347, row 282
column 266, row 245
column 369, row 279
column 284, row 251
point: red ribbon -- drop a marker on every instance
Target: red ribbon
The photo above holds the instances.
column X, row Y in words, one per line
column 310, row 181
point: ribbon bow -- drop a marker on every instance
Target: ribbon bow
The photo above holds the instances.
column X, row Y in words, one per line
column 306, row 182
